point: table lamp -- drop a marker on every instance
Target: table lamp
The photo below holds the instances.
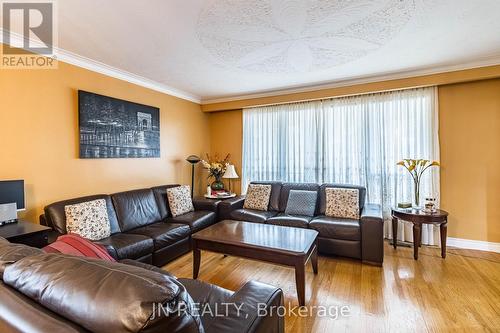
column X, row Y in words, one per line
column 193, row 159
column 230, row 174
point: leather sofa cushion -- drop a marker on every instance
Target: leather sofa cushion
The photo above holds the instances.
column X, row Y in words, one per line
column 287, row 187
column 21, row 314
column 56, row 216
column 196, row 220
column 160, row 193
column 127, row 246
column 250, row 215
column 275, row 194
column 84, row 291
column 209, row 294
column 337, row 228
column 146, row 266
column 135, row 208
column 163, row 234
column 287, row 220
column 10, row 253
column 322, row 196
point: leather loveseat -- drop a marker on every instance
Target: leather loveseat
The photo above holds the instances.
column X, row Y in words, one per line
column 142, row 227
column 55, row 293
column 356, row 238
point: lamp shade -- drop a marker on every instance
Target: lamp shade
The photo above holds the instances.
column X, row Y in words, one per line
column 193, row 159
column 230, row 172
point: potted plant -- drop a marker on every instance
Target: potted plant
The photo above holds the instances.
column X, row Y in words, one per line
column 216, row 168
column 416, row 168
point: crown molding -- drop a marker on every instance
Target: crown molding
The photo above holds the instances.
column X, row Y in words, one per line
column 102, row 68
column 484, row 62
column 99, row 67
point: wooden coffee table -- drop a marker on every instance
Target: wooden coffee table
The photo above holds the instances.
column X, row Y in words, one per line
column 270, row 243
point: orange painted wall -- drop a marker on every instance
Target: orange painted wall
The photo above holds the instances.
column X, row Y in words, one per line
column 39, row 137
column 226, row 137
column 470, row 155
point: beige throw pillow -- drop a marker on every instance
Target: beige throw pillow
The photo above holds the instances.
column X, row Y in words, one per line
column 88, row 219
column 179, row 200
column 342, row 202
column 257, row 197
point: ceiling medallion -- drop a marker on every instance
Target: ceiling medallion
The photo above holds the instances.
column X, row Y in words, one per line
column 289, row 36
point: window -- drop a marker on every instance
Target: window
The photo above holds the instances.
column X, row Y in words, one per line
column 355, row 140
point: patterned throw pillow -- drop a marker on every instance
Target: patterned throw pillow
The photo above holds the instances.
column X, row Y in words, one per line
column 88, row 219
column 342, row 202
column 179, row 200
column 257, row 197
column 301, row 202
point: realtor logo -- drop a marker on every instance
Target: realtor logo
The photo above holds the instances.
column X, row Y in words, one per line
column 29, row 34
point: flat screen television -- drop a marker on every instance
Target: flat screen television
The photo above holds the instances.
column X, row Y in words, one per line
column 12, row 191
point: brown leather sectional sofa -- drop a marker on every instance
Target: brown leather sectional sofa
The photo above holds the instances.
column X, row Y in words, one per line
column 55, row 293
column 142, row 227
column 360, row 239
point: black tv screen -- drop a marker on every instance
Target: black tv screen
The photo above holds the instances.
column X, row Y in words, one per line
column 12, row 191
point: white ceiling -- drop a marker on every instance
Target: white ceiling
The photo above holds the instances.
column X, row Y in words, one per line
column 206, row 50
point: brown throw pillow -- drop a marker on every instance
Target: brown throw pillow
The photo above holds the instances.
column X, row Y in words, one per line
column 257, row 197
column 342, row 202
column 179, row 200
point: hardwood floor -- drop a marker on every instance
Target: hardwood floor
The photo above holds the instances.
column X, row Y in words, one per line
column 458, row 294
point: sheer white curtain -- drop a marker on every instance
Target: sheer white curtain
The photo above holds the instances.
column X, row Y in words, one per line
column 354, row 140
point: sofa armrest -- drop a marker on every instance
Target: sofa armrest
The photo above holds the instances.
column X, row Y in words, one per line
column 227, row 206
column 201, row 203
column 372, row 234
column 254, row 310
column 43, row 220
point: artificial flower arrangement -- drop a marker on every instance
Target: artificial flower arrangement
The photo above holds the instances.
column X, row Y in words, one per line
column 416, row 168
column 216, row 169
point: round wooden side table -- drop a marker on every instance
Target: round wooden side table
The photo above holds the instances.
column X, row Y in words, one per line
column 419, row 217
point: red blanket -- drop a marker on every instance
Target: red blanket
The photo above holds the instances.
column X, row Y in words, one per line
column 78, row 246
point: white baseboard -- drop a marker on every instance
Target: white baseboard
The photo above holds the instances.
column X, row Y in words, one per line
column 473, row 244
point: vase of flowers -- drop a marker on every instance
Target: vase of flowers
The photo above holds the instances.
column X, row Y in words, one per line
column 216, row 168
column 416, row 168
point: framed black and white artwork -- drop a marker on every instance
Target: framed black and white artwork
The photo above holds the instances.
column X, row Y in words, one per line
column 114, row 128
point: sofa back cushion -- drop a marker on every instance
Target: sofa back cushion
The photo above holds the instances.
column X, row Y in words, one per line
column 56, row 215
column 160, row 193
column 21, row 314
column 275, row 193
column 135, row 208
column 322, row 195
column 11, row 253
column 287, row 187
column 84, row 291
